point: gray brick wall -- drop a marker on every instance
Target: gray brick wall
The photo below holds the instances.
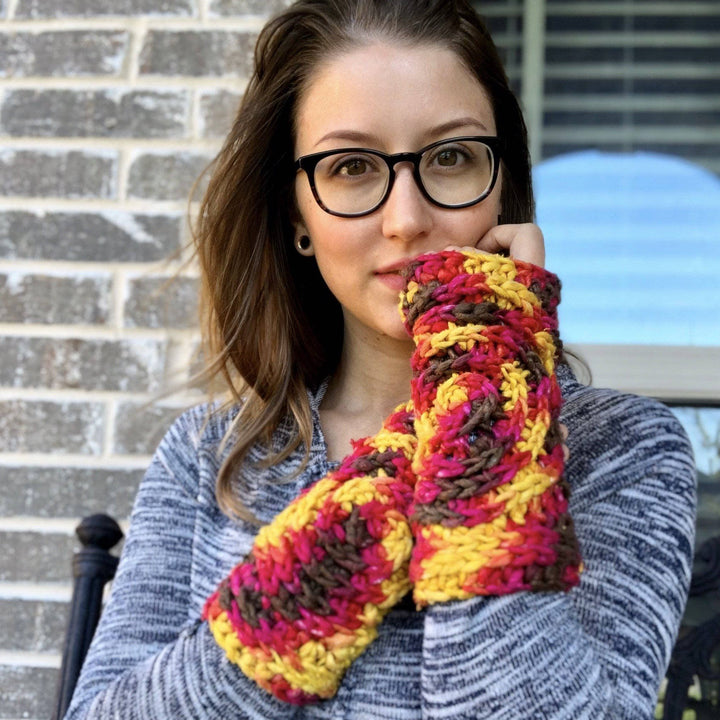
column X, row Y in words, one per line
column 109, row 110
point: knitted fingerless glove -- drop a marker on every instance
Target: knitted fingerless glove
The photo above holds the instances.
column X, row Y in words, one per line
column 321, row 576
column 490, row 511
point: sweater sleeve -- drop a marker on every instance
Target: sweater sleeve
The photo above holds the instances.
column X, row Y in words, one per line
column 600, row 650
column 148, row 660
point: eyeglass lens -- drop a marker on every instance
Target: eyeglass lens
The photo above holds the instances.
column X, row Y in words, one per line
column 454, row 173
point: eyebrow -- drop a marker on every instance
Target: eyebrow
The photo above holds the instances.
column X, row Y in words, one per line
column 361, row 137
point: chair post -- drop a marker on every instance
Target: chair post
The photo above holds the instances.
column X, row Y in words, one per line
column 93, row 567
column 694, row 649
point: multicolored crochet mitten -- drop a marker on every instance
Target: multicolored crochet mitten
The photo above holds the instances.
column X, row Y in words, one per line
column 322, row 575
column 490, row 511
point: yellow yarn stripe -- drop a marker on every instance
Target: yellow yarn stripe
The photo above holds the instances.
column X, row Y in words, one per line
column 546, row 349
column 297, row 515
column 389, row 440
column 461, row 551
column 500, row 278
column 514, row 387
column 466, row 337
column 315, row 667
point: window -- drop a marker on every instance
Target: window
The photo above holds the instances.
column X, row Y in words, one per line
column 625, row 96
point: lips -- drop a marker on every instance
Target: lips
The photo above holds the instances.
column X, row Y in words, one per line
column 395, row 267
column 393, row 280
column 391, row 275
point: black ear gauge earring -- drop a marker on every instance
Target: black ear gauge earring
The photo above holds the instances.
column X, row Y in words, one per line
column 303, row 244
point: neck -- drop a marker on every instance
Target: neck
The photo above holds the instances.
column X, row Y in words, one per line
column 373, row 376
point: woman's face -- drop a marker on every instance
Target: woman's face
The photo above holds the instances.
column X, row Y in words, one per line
column 392, row 98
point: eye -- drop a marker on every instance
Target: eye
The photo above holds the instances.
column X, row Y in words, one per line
column 447, row 157
column 353, row 166
column 349, row 166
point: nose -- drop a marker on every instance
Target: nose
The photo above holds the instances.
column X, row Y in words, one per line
column 406, row 212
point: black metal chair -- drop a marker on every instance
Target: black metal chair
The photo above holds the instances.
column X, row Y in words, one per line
column 697, row 650
column 93, row 567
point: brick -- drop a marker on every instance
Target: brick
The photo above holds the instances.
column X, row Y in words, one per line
column 165, row 176
column 95, row 113
column 242, row 7
column 93, row 237
column 51, row 427
column 62, row 54
column 162, row 303
column 217, row 111
column 89, row 8
column 36, row 557
column 68, row 492
column 139, row 428
column 27, row 692
column 72, row 174
column 33, row 626
column 197, row 53
column 30, row 298
column 136, row 365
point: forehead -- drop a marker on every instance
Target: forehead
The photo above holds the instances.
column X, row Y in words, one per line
column 392, row 93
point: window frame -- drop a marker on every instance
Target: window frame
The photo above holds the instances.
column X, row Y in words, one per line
column 679, row 375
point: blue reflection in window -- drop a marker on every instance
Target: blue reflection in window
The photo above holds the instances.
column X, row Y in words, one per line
column 635, row 239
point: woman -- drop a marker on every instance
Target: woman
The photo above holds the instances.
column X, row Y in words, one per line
column 379, row 153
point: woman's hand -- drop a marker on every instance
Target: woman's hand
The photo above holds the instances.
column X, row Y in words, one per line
column 520, row 242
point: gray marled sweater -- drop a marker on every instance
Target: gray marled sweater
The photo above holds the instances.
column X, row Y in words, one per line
column 598, row 651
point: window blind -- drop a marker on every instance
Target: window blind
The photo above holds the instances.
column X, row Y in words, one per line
column 619, row 76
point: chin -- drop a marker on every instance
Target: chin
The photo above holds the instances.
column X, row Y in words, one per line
column 398, row 334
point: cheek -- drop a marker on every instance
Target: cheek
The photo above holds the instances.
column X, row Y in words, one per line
column 489, row 210
column 471, row 225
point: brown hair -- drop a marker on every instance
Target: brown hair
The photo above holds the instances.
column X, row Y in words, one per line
column 271, row 326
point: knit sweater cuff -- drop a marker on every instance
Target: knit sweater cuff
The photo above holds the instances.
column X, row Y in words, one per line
column 323, row 574
column 490, row 510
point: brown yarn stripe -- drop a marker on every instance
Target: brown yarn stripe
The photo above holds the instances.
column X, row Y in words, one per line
column 340, row 562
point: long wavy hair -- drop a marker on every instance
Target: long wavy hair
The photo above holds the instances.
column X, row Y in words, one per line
column 271, row 327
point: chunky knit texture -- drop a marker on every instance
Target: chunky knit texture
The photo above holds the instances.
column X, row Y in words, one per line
column 321, row 577
column 490, row 513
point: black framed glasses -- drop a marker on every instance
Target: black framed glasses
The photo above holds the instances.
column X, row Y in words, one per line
column 452, row 173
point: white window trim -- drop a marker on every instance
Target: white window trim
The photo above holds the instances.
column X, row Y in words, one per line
column 674, row 374
column 533, row 73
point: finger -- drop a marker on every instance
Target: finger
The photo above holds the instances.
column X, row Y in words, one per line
column 522, row 242
column 563, row 431
column 566, row 452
